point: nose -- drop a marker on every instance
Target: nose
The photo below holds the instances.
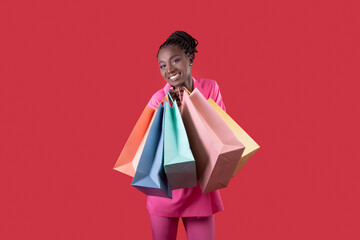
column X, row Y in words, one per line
column 169, row 68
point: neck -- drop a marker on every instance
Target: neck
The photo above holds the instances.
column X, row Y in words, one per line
column 189, row 84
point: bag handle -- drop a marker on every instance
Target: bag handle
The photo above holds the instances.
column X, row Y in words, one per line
column 187, row 90
column 179, row 94
column 168, row 94
column 160, row 102
column 172, row 100
column 178, row 89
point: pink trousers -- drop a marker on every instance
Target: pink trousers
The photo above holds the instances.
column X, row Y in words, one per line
column 197, row 228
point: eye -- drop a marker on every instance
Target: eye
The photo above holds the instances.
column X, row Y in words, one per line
column 162, row 66
column 176, row 60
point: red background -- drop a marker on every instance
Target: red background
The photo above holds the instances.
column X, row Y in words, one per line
column 75, row 76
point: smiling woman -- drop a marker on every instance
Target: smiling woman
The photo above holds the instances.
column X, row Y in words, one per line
column 175, row 58
column 175, row 66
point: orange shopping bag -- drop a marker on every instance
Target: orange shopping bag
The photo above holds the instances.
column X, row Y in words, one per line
column 130, row 154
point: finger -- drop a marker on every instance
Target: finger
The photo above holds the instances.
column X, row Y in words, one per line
column 179, row 91
column 172, row 93
column 174, row 96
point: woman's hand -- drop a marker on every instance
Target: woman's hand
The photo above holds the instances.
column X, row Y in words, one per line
column 174, row 93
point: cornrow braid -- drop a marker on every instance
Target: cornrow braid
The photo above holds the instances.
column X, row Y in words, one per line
column 183, row 40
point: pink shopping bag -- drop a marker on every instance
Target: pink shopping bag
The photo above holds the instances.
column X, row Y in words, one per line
column 250, row 145
column 216, row 149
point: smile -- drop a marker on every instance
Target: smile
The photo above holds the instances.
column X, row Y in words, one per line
column 175, row 77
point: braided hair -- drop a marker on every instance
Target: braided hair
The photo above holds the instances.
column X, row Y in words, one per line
column 183, row 40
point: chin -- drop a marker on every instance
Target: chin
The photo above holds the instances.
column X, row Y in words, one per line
column 177, row 85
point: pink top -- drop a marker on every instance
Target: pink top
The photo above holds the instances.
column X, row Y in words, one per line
column 188, row 202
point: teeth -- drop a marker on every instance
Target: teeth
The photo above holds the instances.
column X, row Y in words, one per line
column 173, row 77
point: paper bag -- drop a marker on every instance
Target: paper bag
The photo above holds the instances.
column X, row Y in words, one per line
column 179, row 161
column 216, row 149
column 131, row 152
column 250, row 145
column 150, row 176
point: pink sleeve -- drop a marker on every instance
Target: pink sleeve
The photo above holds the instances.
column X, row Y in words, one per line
column 217, row 96
column 156, row 99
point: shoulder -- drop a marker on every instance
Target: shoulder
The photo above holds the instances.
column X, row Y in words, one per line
column 208, row 87
column 206, row 83
column 156, row 98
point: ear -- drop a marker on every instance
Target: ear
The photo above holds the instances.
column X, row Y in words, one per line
column 191, row 58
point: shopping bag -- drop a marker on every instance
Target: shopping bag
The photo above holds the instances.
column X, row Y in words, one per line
column 216, row 149
column 131, row 152
column 179, row 161
column 250, row 145
column 150, row 176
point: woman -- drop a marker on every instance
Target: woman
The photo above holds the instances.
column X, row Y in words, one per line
column 176, row 57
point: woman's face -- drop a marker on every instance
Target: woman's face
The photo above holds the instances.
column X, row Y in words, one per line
column 175, row 66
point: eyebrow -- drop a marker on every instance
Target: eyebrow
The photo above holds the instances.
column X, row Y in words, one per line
column 171, row 57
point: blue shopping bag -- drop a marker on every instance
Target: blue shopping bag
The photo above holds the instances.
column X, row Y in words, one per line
column 179, row 162
column 150, row 176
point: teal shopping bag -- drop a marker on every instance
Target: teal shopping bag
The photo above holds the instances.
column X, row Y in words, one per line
column 179, row 162
column 150, row 176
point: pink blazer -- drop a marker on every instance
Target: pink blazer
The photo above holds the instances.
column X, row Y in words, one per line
column 188, row 202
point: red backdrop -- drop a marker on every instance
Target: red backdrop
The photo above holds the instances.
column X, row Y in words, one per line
column 75, row 76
